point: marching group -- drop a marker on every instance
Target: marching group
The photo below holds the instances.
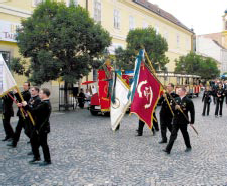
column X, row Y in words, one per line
column 34, row 109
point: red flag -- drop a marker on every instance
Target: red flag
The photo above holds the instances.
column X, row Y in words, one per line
column 103, row 91
column 146, row 96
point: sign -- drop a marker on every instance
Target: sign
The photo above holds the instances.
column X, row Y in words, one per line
column 8, row 31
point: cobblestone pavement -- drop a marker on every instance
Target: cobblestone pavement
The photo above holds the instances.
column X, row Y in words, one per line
column 86, row 152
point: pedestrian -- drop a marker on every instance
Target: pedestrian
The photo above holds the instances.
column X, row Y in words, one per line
column 181, row 107
column 214, row 91
column 23, row 120
column 207, row 100
column 220, row 93
column 166, row 115
column 42, row 127
column 6, row 116
column 81, row 98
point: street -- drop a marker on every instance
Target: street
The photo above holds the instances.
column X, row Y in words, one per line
column 85, row 151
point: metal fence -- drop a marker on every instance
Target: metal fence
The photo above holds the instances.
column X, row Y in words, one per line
column 67, row 98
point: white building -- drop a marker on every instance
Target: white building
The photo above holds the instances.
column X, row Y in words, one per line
column 211, row 48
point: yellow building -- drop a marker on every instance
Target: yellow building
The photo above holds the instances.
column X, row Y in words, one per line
column 116, row 16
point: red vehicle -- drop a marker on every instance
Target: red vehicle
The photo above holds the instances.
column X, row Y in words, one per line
column 101, row 98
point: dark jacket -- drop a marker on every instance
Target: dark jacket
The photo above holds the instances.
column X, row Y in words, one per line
column 42, row 114
column 186, row 105
column 221, row 92
column 8, row 105
column 165, row 110
column 34, row 102
column 26, row 95
column 207, row 96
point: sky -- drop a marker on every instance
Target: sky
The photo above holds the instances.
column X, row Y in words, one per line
column 204, row 16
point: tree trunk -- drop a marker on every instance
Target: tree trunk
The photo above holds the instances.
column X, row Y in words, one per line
column 66, row 100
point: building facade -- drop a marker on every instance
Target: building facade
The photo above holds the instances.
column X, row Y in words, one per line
column 116, row 16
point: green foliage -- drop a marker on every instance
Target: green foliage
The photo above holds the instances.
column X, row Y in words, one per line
column 192, row 63
column 155, row 46
column 18, row 65
column 61, row 41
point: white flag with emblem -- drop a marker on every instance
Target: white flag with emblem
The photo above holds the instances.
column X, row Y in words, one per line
column 7, row 82
column 121, row 104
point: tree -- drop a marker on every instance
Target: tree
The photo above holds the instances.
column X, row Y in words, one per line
column 61, row 42
column 195, row 64
column 154, row 43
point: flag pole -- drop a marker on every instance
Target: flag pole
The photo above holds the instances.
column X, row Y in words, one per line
column 22, row 99
column 153, row 70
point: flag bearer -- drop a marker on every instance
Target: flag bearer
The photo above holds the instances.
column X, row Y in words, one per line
column 181, row 120
column 166, row 115
column 22, row 122
column 6, row 116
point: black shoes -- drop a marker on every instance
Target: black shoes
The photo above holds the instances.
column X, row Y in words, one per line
column 45, row 163
column 7, row 139
column 34, row 161
column 166, row 151
column 162, row 141
column 188, row 149
column 139, row 134
column 13, row 145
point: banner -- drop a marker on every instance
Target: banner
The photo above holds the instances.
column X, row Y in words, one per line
column 103, row 93
column 121, row 102
column 146, row 95
column 7, row 82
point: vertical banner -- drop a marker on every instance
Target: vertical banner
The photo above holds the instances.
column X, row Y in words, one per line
column 103, row 93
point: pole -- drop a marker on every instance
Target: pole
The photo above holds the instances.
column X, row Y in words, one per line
column 22, row 99
column 153, row 70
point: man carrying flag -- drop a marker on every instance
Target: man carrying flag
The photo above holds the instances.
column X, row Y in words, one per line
column 7, row 83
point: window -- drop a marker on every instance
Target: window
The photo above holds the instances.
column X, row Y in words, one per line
column 116, row 19
column 166, row 35
column 37, row 2
column 97, row 11
column 178, row 41
column 145, row 25
column 131, row 23
column 72, row 3
column 6, row 57
column 156, row 29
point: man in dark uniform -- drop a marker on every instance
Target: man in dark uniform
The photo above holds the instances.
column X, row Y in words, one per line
column 166, row 115
column 22, row 121
column 180, row 120
column 42, row 127
column 207, row 100
column 6, row 116
column 220, row 93
column 33, row 102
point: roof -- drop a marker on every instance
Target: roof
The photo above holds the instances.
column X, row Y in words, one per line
column 218, row 44
column 160, row 12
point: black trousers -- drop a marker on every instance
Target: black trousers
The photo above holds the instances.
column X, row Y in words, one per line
column 206, row 107
column 219, row 107
column 141, row 126
column 22, row 123
column 7, row 126
column 214, row 99
column 165, row 122
column 38, row 140
column 173, row 136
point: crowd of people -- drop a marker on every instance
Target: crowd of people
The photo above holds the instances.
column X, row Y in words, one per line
column 34, row 110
